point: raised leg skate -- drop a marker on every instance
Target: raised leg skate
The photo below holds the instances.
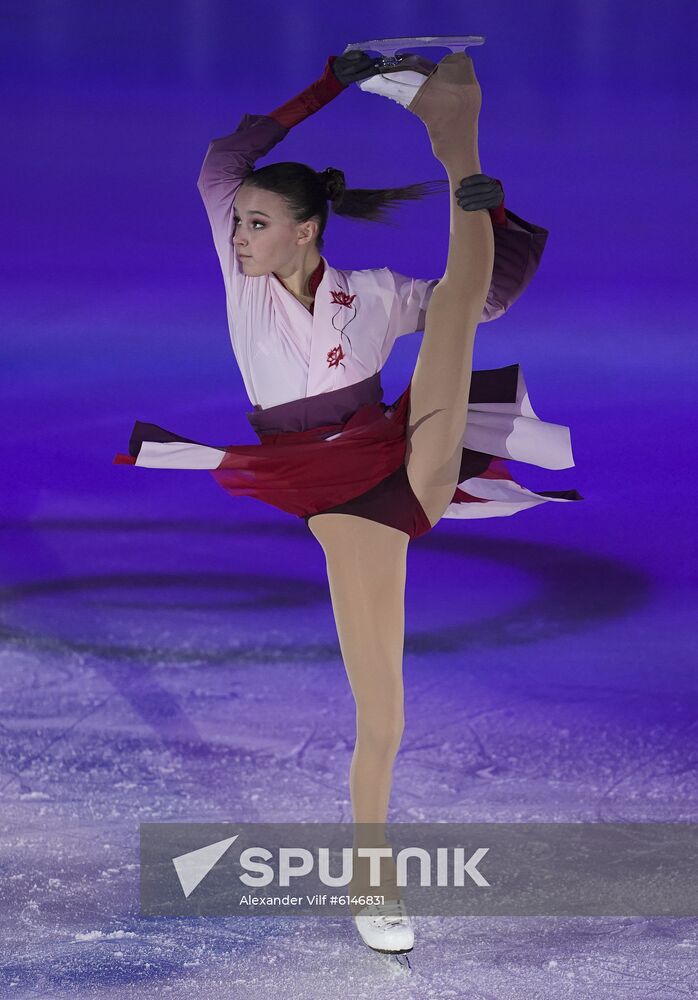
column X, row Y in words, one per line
column 399, row 75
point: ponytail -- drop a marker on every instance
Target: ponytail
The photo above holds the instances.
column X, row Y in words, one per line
column 310, row 193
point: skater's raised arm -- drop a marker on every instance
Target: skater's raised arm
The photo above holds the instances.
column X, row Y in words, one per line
column 231, row 158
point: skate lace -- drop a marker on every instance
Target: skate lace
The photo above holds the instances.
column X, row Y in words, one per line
column 392, row 911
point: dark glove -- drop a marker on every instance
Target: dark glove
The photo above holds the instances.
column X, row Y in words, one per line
column 354, row 66
column 479, row 191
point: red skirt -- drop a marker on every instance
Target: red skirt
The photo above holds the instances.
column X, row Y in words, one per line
column 341, row 451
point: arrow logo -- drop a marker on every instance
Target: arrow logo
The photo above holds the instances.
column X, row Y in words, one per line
column 192, row 867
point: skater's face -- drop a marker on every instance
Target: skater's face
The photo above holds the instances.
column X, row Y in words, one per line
column 265, row 236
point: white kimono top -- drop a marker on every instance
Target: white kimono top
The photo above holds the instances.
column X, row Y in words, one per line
column 284, row 351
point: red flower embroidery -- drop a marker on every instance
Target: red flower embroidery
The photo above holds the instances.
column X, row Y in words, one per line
column 335, row 356
column 342, row 298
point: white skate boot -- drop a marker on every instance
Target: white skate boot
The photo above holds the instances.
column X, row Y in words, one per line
column 386, row 927
column 401, row 81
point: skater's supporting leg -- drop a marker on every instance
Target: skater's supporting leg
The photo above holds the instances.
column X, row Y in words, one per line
column 366, row 569
column 441, row 382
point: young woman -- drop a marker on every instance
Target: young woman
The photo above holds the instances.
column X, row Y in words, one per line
column 311, row 340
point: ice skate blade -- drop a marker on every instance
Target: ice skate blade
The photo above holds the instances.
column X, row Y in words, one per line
column 392, row 951
column 389, row 46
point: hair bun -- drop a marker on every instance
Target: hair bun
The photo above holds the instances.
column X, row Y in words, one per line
column 334, row 182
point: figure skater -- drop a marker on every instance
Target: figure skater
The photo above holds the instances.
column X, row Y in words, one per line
column 311, row 340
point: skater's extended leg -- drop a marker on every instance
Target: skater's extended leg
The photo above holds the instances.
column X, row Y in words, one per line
column 449, row 104
column 366, row 568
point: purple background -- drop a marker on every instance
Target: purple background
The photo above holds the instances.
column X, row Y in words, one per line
column 169, row 653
